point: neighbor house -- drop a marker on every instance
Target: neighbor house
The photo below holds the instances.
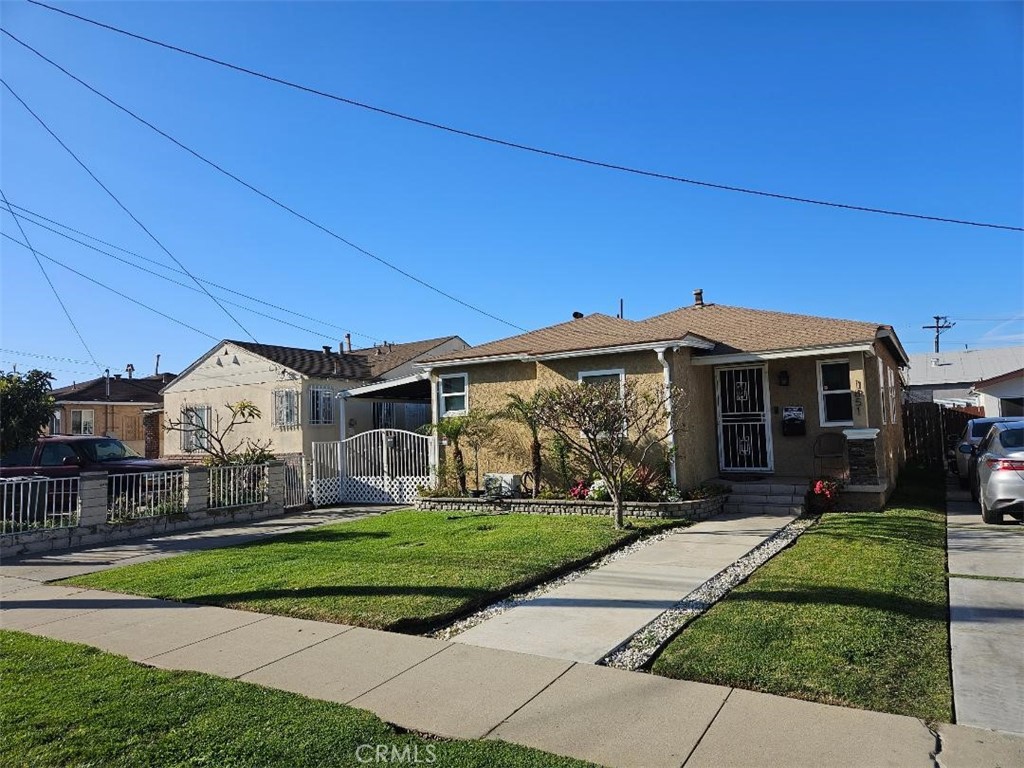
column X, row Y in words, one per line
column 948, row 378
column 115, row 406
column 1002, row 395
column 298, row 390
column 766, row 394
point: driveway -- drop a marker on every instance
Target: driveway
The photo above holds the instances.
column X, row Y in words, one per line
column 986, row 616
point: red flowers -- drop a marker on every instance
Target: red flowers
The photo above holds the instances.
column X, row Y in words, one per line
column 579, row 491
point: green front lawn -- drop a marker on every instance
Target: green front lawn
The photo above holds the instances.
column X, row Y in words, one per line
column 406, row 571
column 855, row 613
column 69, row 705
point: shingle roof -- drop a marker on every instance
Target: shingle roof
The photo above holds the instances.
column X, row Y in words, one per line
column 590, row 332
column 135, row 390
column 962, row 366
column 738, row 329
column 732, row 329
column 364, row 364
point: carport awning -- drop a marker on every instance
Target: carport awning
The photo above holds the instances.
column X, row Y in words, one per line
column 414, row 388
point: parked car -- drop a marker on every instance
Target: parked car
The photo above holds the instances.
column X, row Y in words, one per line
column 999, row 473
column 59, row 456
column 974, row 431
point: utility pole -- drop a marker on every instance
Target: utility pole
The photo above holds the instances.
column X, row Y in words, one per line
column 941, row 324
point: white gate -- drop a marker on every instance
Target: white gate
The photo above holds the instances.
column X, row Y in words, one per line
column 382, row 466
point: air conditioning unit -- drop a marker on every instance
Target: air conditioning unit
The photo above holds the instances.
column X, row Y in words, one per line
column 498, row 485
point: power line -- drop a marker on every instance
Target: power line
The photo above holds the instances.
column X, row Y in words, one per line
column 265, row 195
column 53, row 288
column 514, row 144
column 114, row 290
column 21, row 353
column 177, row 272
column 124, row 208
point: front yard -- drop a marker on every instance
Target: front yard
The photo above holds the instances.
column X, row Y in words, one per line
column 406, row 571
column 855, row 613
column 70, row 705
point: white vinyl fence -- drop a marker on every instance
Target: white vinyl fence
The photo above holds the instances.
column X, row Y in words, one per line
column 238, row 485
column 28, row 504
column 134, row 495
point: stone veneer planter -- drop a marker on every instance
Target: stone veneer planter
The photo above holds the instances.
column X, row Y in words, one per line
column 699, row 509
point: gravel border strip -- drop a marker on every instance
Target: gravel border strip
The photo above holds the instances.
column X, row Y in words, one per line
column 494, row 609
column 646, row 643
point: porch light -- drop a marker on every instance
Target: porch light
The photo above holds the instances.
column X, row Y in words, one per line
column 783, row 378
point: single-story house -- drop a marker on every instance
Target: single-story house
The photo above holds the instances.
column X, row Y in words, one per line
column 115, row 406
column 761, row 388
column 948, row 378
column 1002, row 395
column 297, row 392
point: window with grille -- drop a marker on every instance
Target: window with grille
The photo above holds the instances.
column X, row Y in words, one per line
column 286, row 409
column 321, row 405
column 195, row 425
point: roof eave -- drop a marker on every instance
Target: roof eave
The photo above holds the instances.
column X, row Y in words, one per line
column 776, row 354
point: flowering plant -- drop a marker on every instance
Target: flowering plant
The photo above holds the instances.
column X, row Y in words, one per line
column 599, row 491
column 827, row 489
column 579, row 491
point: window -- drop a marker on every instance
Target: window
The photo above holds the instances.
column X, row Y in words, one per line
column 835, row 400
column 881, row 392
column 454, row 398
column 617, row 375
column 194, row 418
column 286, row 409
column 894, row 400
column 82, row 422
column 1011, row 406
column 53, row 454
column 321, row 405
column 56, row 428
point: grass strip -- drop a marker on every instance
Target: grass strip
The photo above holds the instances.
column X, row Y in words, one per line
column 64, row 704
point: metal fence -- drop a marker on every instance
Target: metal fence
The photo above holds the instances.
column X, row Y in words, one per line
column 238, row 485
column 296, row 488
column 28, row 504
column 135, row 495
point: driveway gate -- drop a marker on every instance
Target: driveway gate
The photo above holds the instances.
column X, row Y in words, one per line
column 382, row 466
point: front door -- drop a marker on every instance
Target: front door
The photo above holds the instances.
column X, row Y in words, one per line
column 744, row 429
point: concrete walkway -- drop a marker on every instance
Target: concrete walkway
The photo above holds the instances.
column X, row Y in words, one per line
column 50, row 566
column 608, row 716
column 986, row 616
column 588, row 618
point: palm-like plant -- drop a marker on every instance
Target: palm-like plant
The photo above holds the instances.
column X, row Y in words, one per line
column 524, row 411
column 452, row 429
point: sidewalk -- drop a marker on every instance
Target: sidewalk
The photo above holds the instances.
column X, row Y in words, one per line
column 455, row 690
column 588, row 618
column 986, row 616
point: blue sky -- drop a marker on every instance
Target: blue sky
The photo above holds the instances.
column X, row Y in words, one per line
column 910, row 106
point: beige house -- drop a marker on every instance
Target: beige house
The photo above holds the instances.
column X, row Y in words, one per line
column 115, row 406
column 302, row 393
column 1002, row 395
column 765, row 393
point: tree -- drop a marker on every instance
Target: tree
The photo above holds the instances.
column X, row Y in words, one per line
column 524, row 411
column 609, row 426
column 212, row 436
column 26, row 407
column 473, row 428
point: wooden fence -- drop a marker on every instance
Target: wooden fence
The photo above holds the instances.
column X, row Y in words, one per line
column 929, row 430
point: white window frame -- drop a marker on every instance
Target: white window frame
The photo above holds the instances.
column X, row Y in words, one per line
column 893, row 394
column 620, row 372
column 822, row 393
column 190, row 441
column 81, row 421
column 296, row 398
column 57, row 422
column 883, row 396
column 322, row 411
column 442, row 395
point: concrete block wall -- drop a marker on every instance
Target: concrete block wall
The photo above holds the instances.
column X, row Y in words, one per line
column 93, row 528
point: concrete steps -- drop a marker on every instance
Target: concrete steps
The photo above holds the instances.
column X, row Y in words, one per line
column 766, row 497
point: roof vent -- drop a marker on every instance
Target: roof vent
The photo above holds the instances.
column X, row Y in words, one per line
column 577, row 315
column 698, row 297
column 327, row 349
